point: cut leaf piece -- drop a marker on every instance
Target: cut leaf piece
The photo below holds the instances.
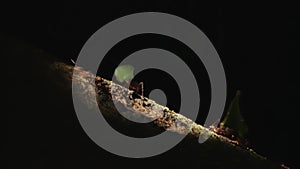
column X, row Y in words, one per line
column 234, row 119
column 124, row 72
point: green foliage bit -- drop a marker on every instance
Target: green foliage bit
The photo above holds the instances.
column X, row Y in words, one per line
column 124, row 72
column 234, row 119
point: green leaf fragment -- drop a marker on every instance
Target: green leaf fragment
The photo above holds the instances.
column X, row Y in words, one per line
column 234, row 119
column 124, row 72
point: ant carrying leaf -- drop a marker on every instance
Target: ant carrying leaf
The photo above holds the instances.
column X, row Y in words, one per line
column 233, row 125
column 125, row 74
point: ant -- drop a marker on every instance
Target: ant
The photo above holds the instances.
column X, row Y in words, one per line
column 136, row 86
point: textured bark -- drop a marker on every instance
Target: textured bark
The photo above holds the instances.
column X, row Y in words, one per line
column 162, row 117
column 44, row 119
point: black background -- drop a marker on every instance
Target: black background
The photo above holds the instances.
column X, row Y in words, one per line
column 257, row 44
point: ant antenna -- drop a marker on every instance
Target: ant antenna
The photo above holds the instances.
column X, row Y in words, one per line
column 73, row 61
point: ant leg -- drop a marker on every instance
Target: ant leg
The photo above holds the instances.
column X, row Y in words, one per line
column 142, row 89
column 127, row 82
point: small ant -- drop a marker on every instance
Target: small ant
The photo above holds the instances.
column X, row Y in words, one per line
column 136, row 86
column 230, row 134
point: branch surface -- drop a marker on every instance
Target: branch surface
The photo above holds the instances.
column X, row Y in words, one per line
column 163, row 118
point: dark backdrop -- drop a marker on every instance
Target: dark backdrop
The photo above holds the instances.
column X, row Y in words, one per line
column 257, row 44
